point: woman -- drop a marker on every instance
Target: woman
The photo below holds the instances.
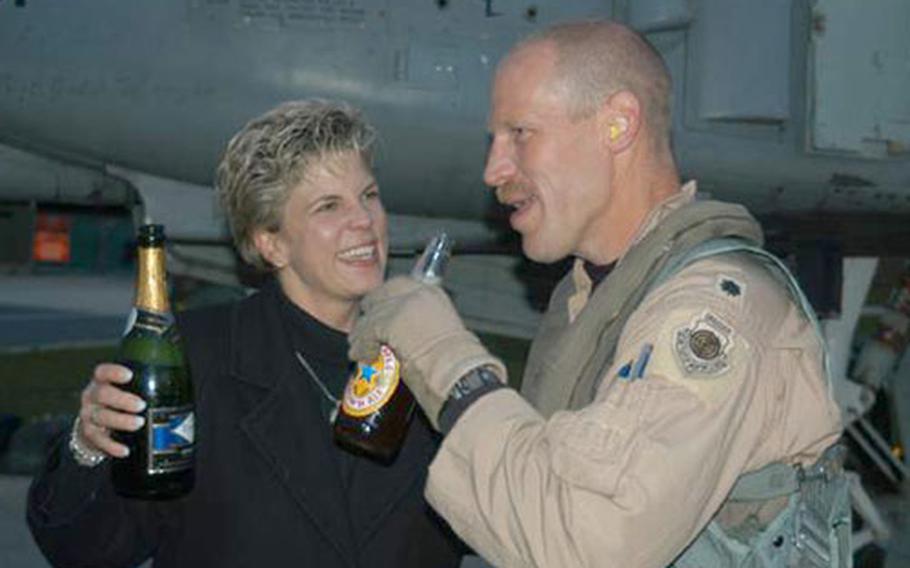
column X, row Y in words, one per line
column 271, row 488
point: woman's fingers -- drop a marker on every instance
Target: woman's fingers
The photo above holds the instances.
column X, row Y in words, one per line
column 106, row 407
column 112, row 373
column 110, row 396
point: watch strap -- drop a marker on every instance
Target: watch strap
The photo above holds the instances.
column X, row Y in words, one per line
column 474, row 384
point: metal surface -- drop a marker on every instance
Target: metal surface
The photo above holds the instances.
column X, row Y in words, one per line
column 157, row 87
column 859, row 79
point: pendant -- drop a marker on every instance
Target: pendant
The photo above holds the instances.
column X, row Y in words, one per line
column 333, row 414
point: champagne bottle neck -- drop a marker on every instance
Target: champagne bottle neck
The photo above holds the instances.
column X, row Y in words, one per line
column 151, row 280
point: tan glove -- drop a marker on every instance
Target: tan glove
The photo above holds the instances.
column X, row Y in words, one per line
column 420, row 324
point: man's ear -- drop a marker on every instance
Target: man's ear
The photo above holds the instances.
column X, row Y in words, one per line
column 620, row 120
column 271, row 247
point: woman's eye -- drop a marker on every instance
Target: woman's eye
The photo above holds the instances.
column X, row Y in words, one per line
column 327, row 206
column 371, row 194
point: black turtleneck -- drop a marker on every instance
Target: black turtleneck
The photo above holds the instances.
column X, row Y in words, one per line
column 326, row 351
column 324, row 348
column 598, row 272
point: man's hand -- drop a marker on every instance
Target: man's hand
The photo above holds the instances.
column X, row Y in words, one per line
column 419, row 323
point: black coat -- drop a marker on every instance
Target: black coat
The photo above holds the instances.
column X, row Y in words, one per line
column 268, row 491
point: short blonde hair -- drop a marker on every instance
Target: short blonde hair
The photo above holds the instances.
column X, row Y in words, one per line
column 273, row 153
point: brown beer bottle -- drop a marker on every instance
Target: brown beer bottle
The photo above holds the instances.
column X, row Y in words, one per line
column 161, row 459
column 377, row 406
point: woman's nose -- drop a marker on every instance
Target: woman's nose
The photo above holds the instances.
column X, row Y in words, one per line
column 362, row 215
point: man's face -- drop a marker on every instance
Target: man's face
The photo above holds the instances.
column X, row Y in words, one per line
column 550, row 167
column 332, row 244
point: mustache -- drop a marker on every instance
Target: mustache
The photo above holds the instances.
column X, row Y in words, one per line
column 506, row 191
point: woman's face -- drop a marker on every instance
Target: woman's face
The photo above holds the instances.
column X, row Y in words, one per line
column 332, row 246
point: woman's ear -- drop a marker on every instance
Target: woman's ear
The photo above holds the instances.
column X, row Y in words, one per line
column 271, row 247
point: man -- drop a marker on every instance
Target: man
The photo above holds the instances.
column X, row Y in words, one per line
column 673, row 360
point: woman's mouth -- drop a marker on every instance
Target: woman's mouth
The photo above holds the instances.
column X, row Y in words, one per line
column 360, row 254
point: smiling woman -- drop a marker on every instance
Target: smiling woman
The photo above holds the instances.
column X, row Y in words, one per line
column 331, row 246
column 271, row 487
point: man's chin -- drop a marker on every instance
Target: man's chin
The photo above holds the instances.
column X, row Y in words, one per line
column 538, row 253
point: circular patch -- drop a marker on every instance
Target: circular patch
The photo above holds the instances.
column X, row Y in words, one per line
column 705, row 344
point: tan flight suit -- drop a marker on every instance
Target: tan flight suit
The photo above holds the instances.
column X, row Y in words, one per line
column 716, row 373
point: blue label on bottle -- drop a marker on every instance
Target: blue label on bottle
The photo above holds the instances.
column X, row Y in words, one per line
column 171, row 438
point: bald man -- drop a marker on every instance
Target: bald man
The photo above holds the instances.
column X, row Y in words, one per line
column 675, row 407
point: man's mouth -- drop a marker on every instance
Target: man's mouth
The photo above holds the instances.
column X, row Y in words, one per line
column 520, row 204
column 520, row 201
column 513, row 195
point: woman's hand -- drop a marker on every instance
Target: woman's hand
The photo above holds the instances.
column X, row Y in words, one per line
column 106, row 407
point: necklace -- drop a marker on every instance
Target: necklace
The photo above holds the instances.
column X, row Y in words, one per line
column 325, row 392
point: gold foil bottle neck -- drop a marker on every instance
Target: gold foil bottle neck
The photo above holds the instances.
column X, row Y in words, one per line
column 151, row 280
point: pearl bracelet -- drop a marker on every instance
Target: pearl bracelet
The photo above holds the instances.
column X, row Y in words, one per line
column 84, row 456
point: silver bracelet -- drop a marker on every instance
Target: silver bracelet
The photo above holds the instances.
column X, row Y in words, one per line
column 84, row 456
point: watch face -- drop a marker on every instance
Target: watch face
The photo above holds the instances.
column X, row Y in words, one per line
column 472, row 381
column 461, row 389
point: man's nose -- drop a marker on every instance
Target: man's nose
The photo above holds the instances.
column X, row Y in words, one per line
column 500, row 165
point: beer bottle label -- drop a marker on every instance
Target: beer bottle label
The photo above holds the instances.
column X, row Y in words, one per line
column 171, row 438
column 373, row 386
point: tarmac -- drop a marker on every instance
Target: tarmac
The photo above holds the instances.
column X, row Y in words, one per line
column 17, row 549
column 41, row 311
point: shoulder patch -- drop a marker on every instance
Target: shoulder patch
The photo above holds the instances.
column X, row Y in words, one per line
column 702, row 347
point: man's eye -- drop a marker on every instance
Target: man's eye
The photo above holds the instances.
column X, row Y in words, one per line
column 520, row 133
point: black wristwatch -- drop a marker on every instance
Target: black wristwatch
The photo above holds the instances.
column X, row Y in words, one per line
column 470, row 387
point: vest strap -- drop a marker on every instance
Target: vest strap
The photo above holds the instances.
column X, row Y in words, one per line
column 773, row 480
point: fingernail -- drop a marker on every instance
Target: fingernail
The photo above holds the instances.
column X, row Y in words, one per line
column 140, row 406
column 139, row 421
column 129, row 375
column 125, row 452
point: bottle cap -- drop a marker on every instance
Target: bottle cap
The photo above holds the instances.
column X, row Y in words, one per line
column 151, row 234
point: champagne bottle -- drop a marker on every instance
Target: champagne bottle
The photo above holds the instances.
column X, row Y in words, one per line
column 161, row 459
column 377, row 406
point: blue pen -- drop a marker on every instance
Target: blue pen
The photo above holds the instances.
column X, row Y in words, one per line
column 625, row 370
column 643, row 356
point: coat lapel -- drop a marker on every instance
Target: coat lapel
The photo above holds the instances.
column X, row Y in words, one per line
column 376, row 490
column 293, row 439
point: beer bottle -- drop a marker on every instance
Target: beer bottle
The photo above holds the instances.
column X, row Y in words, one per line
column 161, row 459
column 377, row 406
